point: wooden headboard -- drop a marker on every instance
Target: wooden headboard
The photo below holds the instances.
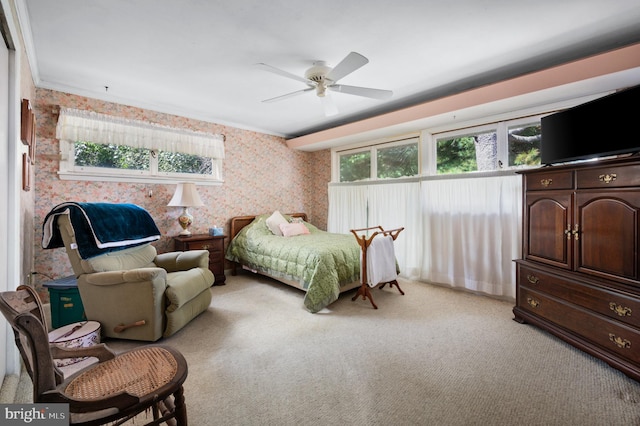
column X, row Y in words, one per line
column 239, row 222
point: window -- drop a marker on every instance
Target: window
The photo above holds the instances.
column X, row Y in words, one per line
column 177, row 162
column 467, row 152
column 89, row 154
column 356, row 166
column 383, row 161
column 502, row 145
column 524, row 144
column 98, row 147
column 93, row 161
column 397, row 161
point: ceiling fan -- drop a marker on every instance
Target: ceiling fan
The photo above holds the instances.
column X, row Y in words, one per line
column 321, row 77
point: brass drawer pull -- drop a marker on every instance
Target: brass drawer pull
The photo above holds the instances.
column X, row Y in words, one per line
column 608, row 178
column 576, row 232
column 622, row 311
column 533, row 279
column 532, row 302
column 619, row 341
column 205, row 247
column 546, row 182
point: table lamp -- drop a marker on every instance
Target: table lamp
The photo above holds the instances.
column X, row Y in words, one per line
column 185, row 196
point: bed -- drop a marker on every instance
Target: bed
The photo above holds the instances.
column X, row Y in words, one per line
column 320, row 263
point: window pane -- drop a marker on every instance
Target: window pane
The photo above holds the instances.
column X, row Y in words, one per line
column 91, row 154
column 177, row 162
column 457, row 155
column 524, row 145
column 355, row 166
column 471, row 153
column 398, row 161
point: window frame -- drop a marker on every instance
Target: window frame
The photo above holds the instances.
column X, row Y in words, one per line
column 427, row 147
column 356, row 151
column 373, row 152
column 469, row 131
column 502, row 140
column 68, row 170
column 520, row 122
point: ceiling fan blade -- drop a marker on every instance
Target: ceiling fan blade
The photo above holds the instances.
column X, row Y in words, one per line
column 282, row 72
column 329, row 106
column 349, row 64
column 367, row 92
column 288, row 95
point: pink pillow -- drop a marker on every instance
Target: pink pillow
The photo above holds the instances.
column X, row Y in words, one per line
column 292, row 229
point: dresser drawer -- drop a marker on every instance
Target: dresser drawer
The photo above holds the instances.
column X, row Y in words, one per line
column 550, row 180
column 211, row 245
column 611, row 335
column 609, row 177
column 607, row 302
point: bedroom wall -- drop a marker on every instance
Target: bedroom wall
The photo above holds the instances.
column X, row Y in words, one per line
column 17, row 253
column 261, row 174
column 27, row 198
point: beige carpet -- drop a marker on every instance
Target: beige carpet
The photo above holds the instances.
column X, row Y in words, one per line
column 432, row 357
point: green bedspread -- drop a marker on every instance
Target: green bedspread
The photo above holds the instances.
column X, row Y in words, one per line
column 321, row 262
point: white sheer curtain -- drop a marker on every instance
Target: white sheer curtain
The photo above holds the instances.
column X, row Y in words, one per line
column 88, row 126
column 462, row 232
column 347, row 208
column 390, row 205
column 397, row 205
column 472, row 232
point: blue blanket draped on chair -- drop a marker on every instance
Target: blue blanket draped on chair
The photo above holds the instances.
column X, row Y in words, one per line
column 101, row 227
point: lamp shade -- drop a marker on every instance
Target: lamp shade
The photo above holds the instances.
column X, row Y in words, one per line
column 186, row 196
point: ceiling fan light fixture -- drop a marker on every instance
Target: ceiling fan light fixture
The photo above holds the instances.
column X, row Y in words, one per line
column 321, row 89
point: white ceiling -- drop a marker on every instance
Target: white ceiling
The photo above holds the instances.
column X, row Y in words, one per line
column 197, row 58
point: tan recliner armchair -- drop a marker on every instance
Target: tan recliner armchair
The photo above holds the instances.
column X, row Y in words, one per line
column 136, row 293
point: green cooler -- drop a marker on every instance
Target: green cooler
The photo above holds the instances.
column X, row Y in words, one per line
column 66, row 304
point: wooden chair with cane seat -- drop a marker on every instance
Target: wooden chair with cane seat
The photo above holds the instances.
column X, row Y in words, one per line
column 114, row 390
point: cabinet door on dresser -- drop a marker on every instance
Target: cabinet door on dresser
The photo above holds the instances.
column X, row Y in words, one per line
column 548, row 217
column 607, row 243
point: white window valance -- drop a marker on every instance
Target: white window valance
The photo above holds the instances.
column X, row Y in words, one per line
column 87, row 126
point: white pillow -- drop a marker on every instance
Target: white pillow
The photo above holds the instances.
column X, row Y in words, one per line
column 274, row 221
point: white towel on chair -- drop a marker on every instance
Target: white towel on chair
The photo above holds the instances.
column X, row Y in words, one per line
column 381, row 261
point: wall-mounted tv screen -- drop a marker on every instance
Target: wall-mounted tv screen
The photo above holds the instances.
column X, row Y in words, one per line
column 603, row 127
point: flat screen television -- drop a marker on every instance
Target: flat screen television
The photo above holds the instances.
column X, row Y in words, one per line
column 600, row 128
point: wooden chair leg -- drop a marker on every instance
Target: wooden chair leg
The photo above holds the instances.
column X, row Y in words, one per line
column 156, row 411
column 364, row 291
column 391, row 284
column 395, row 282
column 180, row 407
column 172, row 411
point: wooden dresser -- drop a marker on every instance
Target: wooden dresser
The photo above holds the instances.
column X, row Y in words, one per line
column 580, row 273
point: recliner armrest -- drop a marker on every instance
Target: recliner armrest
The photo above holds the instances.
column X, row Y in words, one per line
column 183, row 260
column 130, row 276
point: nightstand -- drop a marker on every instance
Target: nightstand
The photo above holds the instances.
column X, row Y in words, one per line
column 215, row 246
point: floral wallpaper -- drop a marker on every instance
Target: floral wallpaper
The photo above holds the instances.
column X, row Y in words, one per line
column 260, row 172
